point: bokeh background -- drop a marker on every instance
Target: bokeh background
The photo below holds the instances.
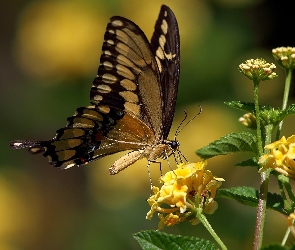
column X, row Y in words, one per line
column 49, row 54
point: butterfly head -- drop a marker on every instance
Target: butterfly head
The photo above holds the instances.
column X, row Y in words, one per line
column 174, row 145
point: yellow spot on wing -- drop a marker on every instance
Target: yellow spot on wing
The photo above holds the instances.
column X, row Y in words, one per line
column 109, row 78
column 164, row 26
column 117, row 23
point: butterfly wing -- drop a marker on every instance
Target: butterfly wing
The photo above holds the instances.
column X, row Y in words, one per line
column 165, row 45
column 127, row 103
column 90, row 134
column 128, row 76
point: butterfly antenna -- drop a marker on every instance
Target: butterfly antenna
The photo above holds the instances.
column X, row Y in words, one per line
column 180, row 127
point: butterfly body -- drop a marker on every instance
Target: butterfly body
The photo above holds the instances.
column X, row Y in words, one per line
column 133, row 100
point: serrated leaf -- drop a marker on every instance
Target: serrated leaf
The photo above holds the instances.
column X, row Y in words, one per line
column 290, row 110
column 245, row 106
column 245, row 195
column 231, row 143
column 248, row 163
column 268, row 114
column 249, row 196
column 155, row 240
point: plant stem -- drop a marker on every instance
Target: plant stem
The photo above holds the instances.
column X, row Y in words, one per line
column 285, row 237
column 285, row 101
column 258, row 131
column 261, row 209
column 207, row 225
column 282, row 192
column 285, row 98
column 290, row 193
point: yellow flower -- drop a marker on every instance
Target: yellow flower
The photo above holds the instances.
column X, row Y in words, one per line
column 258, row 69
column 285, row 56
column 184, row 190
column 281, row 156
column 169, row 220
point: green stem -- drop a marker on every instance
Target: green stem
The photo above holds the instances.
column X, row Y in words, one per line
column 286, row 237
column 285, row 101
column 284, row 106
column 261, row 208
column 258, row 131
column 284, row 186
column 207, row 225
column 282, row 191
column 285, row 98
column 268, row 134
column 289, row 190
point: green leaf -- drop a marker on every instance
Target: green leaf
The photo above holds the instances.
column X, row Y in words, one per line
column 290, row 110
column 249, row 196
column 231, row 143
column 245, row 106
column 245, row 195
column 155, row 240
column 247, row 163
column 268, row 114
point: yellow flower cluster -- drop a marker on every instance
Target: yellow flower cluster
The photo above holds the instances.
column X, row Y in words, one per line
column 285, row 56
column 184, row 190
column 281, row 157
column 258, row 69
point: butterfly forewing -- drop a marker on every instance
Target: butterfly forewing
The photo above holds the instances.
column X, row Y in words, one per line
column 133, row 100
column 165, row 45
column 128, row 75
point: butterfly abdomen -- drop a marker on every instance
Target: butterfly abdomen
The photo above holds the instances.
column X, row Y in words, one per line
column 152, row 153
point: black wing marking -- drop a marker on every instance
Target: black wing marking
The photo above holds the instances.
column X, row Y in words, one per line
column 128, row 76
column 89, row 135
column 165, row 45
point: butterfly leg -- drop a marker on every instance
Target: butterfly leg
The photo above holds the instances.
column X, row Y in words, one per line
column 150, row 178
column 179, row 157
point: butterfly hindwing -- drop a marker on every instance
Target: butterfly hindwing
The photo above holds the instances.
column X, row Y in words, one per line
column 92, row 134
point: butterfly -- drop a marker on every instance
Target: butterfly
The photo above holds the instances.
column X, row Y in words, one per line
column 133, row 100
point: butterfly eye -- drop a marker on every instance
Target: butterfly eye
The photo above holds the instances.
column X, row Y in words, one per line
column 174, row 145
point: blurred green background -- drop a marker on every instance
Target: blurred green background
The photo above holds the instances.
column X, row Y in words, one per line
column 49, row 54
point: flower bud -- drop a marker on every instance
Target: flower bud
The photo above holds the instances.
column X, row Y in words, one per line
column 285, row 56
column 258, row 69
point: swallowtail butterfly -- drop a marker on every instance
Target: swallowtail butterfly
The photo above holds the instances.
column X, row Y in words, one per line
column 133, row 100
